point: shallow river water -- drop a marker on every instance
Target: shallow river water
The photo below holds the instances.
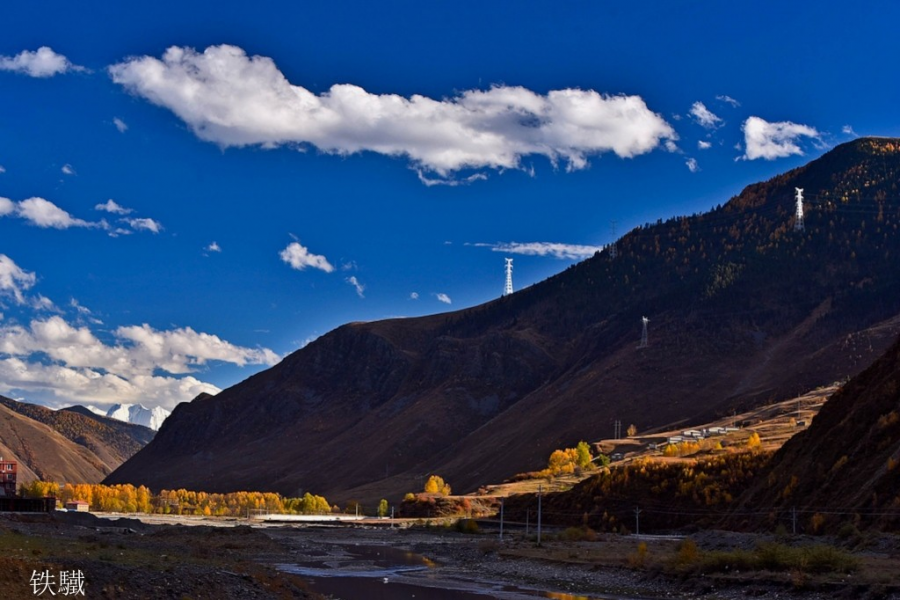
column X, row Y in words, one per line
column 385, row 573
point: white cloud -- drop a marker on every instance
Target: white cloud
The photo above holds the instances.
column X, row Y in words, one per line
column 83, row 367
column 233, row 99
column 92, row 386
column 136, row 224
column 7, row 206
column 111, row 206
column 68, row 169
column 846, row 129
column 214, row 247
column 2, row 169
column 144, row 224
column 703, row 145
column 300, row 257
column 81, row 310
column 42, row 63
column 554, row 249
column 121, row 125
column 444, row 298
column 414, row 296
column 43, row 213
column 729, row 100
column 41, row 302
column 704, row 117
column 14, row 280
column 449, row 181
column 360, row 288
column 692, row 165
column 774, row 140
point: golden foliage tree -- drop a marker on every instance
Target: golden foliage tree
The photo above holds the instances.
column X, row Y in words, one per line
column 437, row 485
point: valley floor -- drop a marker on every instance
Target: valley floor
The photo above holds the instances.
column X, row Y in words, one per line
column 129, row 559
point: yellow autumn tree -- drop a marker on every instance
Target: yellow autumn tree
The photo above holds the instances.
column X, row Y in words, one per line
column 437, row 485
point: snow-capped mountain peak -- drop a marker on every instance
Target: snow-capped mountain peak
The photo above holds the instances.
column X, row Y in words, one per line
column 139, row 415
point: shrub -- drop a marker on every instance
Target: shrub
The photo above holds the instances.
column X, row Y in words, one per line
column 687, row 553
column 467, row 526
column 639, row 557
column 578, row 534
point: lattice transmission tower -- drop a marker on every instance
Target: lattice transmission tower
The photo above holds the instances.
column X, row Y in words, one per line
column 644, row 320
column 508, row 288
column 798, row 215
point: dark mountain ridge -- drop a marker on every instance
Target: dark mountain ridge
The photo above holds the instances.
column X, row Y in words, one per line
column 742, row 308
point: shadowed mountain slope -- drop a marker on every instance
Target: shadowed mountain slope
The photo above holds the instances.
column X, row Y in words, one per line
column 743, row 309
column 43, row 453
column 69, row 444
column 846, row 466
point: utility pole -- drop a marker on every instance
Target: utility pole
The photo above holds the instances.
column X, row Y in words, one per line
column 637, row 521
column 644, row 320
column 392, row 517
column 794, row 519
column 617, row 429
column 540, row 490
column 501, row 519
column 527, row 521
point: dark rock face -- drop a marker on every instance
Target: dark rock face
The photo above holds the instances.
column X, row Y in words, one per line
column 743, row 309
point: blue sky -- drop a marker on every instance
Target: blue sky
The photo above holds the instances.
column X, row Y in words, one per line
column 188, row 193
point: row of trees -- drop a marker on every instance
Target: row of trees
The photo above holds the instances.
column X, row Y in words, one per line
column 130, row 499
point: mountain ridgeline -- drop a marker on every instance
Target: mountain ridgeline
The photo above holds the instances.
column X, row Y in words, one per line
column 743, row 308
column 70, row 445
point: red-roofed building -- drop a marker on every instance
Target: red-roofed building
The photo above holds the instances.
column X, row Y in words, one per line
column 8, row 470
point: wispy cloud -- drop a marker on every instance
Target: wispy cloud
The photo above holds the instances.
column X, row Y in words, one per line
column 414, row 296
column 2, row 169
column 213, row 247
column 360, row 288
column 135, row 224
column 846, row 129
column 68, row 169
column 299, row 257
column 111, row 206
column 43, row 62
column 443, row 298
column 692, row 165
column 763, row 139
column 703, row 145
column 120, row 124
column 14, row 280
column 144, row 224
column 449, row 181
column 232, row 99
column 552, row 249
column 728, row 100
column 704, row 117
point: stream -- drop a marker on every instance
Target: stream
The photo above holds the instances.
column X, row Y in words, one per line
column 366, row 572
